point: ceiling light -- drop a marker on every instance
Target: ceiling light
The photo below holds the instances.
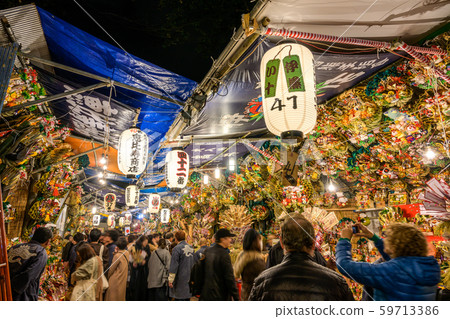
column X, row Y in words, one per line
column 430, row 154
column 217, row 173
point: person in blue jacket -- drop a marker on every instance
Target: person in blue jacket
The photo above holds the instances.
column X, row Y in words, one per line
column 407, row 274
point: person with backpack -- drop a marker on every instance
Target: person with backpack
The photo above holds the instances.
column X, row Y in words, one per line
column 218, row 280
column 158, row 273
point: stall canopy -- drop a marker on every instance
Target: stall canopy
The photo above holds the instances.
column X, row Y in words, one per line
column 235, row 108
column 159, row 97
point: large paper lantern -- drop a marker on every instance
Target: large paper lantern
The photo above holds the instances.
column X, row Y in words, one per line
column 96, row 220
column 132, row 195
column 165, row 215
column 153, row 203
column 110, row 202
column 133, row 152
column 288, row 89
column 177, row 170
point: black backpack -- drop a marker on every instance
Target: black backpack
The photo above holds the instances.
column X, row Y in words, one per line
column 197, row 277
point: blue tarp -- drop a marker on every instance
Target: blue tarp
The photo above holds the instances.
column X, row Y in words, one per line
column 73, row 47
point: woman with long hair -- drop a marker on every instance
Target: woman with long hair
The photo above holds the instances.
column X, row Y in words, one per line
column 250, row 263
column 139, row 256
column 87, row 287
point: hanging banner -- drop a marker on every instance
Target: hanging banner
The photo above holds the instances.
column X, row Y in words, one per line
column 237, row 106
column 86, row 113
column 165, row 215
column 132, row 195
column 127, row 231
column 96, row 220
column 110, row 202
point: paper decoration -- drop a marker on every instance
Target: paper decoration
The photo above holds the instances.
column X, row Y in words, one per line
column 177, row 170
column 154, row 202
column 128, row 219
column 132, row 195
column 288, row 89
column 133, row 152
column 121, row 221
column 127, row 231
column 436, row 199
column 165, row 215
column 96, row 220
column 111, row 221
column 110, row 202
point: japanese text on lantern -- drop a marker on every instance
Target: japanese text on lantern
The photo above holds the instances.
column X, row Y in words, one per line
column 181, row 169
column 135, row 152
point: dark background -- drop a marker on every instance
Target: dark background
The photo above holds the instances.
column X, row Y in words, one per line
column 179, row 35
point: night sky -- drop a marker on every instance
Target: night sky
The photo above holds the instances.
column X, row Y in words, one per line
column 179, row 35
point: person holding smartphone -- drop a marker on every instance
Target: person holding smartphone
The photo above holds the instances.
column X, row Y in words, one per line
column 407, row 274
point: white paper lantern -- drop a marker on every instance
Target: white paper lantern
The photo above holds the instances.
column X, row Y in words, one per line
column 121, row 221
column 288, row 89
column 132, row 195
column 96, row 220
column 128, row 218
column 133, row 152
column 110, row 202
column 111, row 220
column 165, row 215
column 154, row 202
column 177, row 170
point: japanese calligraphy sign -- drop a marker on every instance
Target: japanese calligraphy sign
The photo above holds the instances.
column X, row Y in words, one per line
column 165, row 215
column 153, row 203
column 288, row 95
column 177, row 169
column 110, row 202
column 133, row 152
column 132, row 195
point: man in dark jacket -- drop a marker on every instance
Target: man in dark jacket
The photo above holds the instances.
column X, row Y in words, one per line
column 109, row 239
column 219, row 283
column 78, row 239
column 94, row 236
column 26, row 265
column 66, row 250
column 299, row 277
column 276, row 255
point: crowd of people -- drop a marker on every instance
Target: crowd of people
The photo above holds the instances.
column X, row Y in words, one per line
column 155, row 267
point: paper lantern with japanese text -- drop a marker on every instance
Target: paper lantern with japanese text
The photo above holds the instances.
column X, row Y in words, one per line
column 177, row 170
column 165, row 215
column 153, row 203
column 96, row 220
column 132, row 152
column 132, row 195
column 110, row 202
column 288, row 89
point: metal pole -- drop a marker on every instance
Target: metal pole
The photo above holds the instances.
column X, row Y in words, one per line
column 100, row 78
column 55, row 97
column 67, row 159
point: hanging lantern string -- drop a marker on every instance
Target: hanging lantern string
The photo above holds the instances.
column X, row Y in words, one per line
column 265, row 154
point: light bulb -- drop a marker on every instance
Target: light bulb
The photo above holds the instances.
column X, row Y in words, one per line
column 430, row 154
column 102, row 181
column 205, row 179
column 217, row 173
column 231, row 164
column 100, row 175
column 185, row 191
column 144, row 211
column 94, row 210
column 172, row 202
column 103, row 160
column 331, row 187
column 105, row 167
column 177, row 201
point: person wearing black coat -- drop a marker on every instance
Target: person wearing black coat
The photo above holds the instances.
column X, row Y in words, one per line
column 219, row 282
column 299, row 277
column 276, row 255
